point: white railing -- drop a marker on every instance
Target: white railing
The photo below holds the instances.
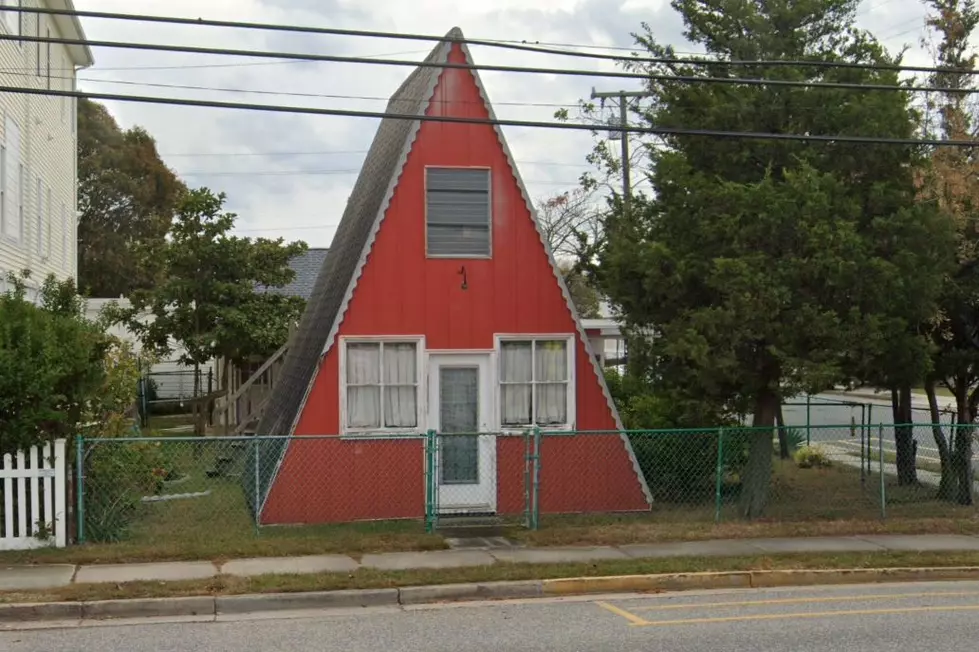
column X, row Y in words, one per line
column 32, row 498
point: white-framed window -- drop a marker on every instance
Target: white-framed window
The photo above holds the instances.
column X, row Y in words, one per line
column 13, row 181
column 47, row 58
column 536, row 378
column 37, row 34
column 458, row 216
column 380, row 382
column 65, row 237
column 42, row 228
column 13, row 21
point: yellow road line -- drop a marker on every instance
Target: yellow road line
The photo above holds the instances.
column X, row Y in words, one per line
column 822, row 614
column 631, row 617
column 840, row 598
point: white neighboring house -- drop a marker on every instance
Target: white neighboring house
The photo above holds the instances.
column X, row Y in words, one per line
column 172, row 379
column 38, row 144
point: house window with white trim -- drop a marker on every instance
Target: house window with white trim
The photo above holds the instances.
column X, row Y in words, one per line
column 13, row 181
column 381, row 385
column 13, row 20
column 457, row 212
column 535, row 382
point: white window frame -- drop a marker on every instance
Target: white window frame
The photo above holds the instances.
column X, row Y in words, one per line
column 5, row 162
column 41, row 236
column 65, row 244
column 13, row 22
column 489, row 206
column 421, row 384
column 571, row 342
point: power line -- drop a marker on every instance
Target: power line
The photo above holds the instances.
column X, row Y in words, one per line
column 246, row 91
column 316, row 173
column 574, row 126
column 289, row 93
column 573, row 72
column 495, row 43
column 327, row 152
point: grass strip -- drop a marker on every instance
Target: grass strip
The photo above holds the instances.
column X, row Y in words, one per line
column 369, row 578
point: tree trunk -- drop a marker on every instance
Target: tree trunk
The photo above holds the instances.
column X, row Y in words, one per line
column 783, row 435
column 946, row 485
column 758, row 470
column 226, row 388
column 907, row 473
column 962, row 453
column 198, row 402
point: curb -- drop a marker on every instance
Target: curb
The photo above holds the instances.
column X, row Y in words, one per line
column 416, row 595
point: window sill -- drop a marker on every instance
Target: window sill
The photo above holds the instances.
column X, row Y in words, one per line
column 390, row 433
column 563, row 429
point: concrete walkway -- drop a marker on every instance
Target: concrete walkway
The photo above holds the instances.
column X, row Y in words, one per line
column 20, row 578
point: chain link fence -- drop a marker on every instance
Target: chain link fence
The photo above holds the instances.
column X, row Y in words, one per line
column 216, row 489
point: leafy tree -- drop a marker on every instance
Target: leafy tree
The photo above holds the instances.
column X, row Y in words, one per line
column 583, row 293
column 127, row 196
column 51, row 364
column 950, row 183
column 769, row 267
column 207, row 300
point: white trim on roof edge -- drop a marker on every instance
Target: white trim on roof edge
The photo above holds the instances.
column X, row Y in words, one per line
column 557, row 274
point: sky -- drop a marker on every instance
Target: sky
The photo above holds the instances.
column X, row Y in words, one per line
column 289, row 175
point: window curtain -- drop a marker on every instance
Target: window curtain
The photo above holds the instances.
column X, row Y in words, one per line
column 363, row 386
column 516, row 376
column 551, row 374
column 400, row 389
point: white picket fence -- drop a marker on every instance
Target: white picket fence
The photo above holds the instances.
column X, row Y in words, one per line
column 32, row 491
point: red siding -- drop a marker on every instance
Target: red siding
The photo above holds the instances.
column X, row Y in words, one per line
column 402, row 292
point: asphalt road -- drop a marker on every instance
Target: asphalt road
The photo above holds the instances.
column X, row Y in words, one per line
column 877, row 618
column 832, row 421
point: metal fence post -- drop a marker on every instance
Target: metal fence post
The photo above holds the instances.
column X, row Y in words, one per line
column 258, row 489
column 80, row 488
column 808, row 424
column 535, row 490
column 431, row 483
column 527, row 460
column 870, row 435
column 719, row 479
column 880, row 468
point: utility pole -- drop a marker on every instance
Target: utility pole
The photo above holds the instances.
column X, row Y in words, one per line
column 623, row 136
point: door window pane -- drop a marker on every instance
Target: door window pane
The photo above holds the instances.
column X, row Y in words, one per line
column 459, row 423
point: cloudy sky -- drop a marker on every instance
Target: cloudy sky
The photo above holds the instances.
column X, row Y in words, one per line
column 289, row 175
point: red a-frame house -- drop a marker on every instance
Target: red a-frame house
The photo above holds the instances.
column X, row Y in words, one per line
column 440, row 307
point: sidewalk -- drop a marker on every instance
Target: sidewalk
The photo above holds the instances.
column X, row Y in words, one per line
column 39, row 577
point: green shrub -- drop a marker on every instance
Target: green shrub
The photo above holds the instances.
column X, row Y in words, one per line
column 117, row 473
column 678, row 462
column 117, row 476
column 795, row 438
column 810, row 457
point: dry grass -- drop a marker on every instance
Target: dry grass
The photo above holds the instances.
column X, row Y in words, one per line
column 366, row 578
column 804, row 502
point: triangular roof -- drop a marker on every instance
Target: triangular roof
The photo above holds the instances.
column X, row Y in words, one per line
column 361, row 220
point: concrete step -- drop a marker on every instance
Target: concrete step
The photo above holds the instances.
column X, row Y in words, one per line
column 468, row 526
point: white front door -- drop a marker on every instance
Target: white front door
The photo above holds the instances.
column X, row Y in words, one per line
column 460, row 407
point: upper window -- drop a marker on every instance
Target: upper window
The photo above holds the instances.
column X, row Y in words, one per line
column 13, row 181
column 457, row 212
column 535, row 382
column 13, row 20
column 381, row 385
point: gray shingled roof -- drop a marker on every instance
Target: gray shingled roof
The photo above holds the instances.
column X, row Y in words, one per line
column 307, row 267
column 377, row 179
